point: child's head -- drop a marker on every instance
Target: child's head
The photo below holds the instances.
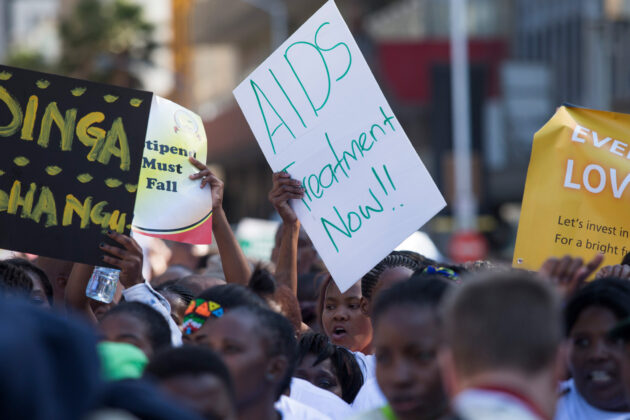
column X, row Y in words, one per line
column 328, row 366
column 406, row 343
column 138, row 324
column 197, row 377
column 341, row 317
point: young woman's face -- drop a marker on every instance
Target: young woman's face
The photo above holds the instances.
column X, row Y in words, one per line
column 125, row 328
column 406, row 342
column 594, row 360
column 321, row 375
column 343, row 321
column 235, row 337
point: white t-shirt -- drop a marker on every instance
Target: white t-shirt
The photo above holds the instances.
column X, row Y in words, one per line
column 480, row 404
column 319, row 399
column 295, row 410
column 370, row 395
column 572, row 406
column 367, row 363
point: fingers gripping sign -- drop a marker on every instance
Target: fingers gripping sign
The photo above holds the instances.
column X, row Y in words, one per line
column 208, row 178
column 285, row 189
column 127, row 259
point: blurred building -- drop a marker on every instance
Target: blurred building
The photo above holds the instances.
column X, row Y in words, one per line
column 584, row 43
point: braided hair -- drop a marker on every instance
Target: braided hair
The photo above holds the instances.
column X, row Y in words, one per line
column 393, row 260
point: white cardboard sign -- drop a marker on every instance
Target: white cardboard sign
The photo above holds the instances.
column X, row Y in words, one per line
column 318, row 113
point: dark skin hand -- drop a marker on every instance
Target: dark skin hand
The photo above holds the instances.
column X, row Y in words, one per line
column 234, row 262
column 568, row 274
column 127, row 259
column 208, row 178
column 619, row 271
column 285, row 189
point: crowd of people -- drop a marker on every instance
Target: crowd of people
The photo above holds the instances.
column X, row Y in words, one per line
column 412, row 339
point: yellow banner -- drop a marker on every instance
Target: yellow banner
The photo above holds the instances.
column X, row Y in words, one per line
column 577, row 193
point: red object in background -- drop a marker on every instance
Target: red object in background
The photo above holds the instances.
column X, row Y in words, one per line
column 406, row 66
column 468, row 246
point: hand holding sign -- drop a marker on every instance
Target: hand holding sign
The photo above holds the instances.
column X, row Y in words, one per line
column 208, row 178
column 285, row 189
column 128, row 259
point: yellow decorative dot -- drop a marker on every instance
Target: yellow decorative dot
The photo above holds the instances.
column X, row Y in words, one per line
column 131, row 188
column 84, row 178
column 78, row 91
column 110, row 98
column 53, row 170
column 112, row 183
column 42, row 84
column 1, row 172
column 21, row 161
column 135, row 102
column 5, row 75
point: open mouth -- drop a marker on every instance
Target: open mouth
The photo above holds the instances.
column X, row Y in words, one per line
column 600, row 377
column 338, row 333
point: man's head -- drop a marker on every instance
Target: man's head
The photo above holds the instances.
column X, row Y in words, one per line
column 503, row 325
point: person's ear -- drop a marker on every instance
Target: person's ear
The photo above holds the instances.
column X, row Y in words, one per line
column 448, row 371
column 276, row 369
column 365, row 306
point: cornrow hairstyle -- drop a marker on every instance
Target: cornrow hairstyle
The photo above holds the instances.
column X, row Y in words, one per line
column 14, row 279
column 232, row 295
column 393, row 260
column 174, row 287
column 610, row 293
column 345, row 365
column 158, row 330
column 28, row 266
column 425, row 291
column 626, row 259
column 279, row 337
column 189, row 360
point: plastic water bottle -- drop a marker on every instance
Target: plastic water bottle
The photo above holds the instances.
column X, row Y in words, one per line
column 102, row 284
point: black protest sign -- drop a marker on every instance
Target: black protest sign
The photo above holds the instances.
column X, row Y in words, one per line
column 70, row 155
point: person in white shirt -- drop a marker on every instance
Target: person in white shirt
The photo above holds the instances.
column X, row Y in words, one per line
column 503, row 356
column 595, row 390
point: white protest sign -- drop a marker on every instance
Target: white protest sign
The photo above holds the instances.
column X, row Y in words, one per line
column 318, row 113
column 169, row 205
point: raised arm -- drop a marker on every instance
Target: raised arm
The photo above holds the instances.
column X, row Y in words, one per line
column 285, row 189
column 235, row 265
column 75, row 298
